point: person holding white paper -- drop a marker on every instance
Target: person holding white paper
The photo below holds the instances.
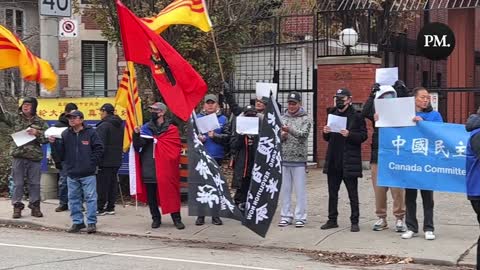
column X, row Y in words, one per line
column 295, row 131
column 399, row 89
column 215, row 141
column 26, row 158
column 343, row 162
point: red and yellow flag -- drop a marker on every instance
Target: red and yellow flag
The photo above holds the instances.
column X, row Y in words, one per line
column 13, row 53
column 191, row 12
column 128, row 98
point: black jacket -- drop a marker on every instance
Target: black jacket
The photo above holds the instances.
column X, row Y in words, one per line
column 110, row 130
column 145, row 147
column 345, row 154
column 80, row 152
column 62, row 122
column 368, row 112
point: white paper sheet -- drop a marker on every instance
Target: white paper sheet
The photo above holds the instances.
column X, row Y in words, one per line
column 395, row 112
column 336, row 123
column 207, row 123
column 386, row 76
column 247, row 125
column 22, row 137
column 55, row 132
column 263, row 89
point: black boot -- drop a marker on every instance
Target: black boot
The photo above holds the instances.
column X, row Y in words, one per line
column 217, row 221
column 200, row 221
column 330, row 224
column 156, row 222
column 177, row 221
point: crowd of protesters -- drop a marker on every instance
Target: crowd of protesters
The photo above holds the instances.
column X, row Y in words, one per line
column 88, row 160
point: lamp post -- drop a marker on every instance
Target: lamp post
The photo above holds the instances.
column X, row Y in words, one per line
column 348, row 37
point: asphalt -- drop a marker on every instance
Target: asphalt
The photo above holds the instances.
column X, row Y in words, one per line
column 456, row 227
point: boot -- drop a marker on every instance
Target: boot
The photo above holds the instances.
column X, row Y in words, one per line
column 177, row 221
column 35, row 206
column 157, row 221
column 17, row 210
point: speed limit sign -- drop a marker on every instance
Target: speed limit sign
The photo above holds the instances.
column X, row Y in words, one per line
column 68, row 28
column 57, row 8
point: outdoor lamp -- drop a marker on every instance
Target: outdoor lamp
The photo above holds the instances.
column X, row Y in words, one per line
column 348, row 37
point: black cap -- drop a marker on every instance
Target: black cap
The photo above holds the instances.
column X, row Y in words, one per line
column 295, row 97
column 75, row 113
column 249, row 108
column 263, row 100
column 343, row 92
column 107, row 107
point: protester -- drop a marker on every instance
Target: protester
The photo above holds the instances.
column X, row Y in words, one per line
column 260, row 102
column 343, row 161
column 27, row 157
column 243, row 148
column 80, row 150
column 159, row 170
column 110, row 130
column 62, row 176
column 473, row 168
column 295, row 131
column 398, row 194
column 424, row 112
column 215, row 141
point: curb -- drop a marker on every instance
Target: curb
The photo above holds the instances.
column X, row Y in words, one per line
column 307, row 252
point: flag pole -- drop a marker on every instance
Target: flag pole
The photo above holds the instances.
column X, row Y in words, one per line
column 130, row 81
column 218, row 56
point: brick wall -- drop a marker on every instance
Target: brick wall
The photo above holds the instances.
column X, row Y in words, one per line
column 63, row 81
column 87, row 19
column 62, row 54
column 356, row 77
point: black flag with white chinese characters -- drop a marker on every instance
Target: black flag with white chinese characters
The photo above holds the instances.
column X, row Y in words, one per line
column 262, row 198
column 208, row 192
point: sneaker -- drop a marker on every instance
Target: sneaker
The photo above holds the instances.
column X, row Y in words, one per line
column 408, row 234
column 76, row 228
column 284, row 223
column 299, row 224
column 355, row 228
column 110, row 212
column 329, row 225
column 61, row 208
column 217, row 221
column 400, row 226
column 200, row 221
column 380, row 225
column 101, row 213
column 429, row 235
column 91, row 228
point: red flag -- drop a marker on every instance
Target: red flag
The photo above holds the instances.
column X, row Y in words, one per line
column 180, row 85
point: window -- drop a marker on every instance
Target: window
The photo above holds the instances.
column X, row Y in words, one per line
column 94, row 68
column 14, row 21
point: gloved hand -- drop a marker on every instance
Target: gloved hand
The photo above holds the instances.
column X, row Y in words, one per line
column 375, row 89
column 401, row 89
column 226, row 88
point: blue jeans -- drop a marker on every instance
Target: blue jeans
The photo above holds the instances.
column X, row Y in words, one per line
column 62, row 187
column 89, row 187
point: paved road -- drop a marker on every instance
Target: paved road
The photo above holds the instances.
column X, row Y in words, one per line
column 31, row 249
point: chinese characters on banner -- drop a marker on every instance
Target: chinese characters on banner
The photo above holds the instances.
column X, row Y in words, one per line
column 208, row 191
column 429, row 156
column 52, row 108
column 262, row 198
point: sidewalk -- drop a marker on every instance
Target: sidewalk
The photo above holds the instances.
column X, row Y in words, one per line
column 456, row 227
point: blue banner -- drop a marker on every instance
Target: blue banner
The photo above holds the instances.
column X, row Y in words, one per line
column 429, row 156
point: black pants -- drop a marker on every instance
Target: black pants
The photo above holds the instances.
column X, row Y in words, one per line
column 107, row 188
column 411, row 205
column 152, row 201
column 476, row 207
column 335, row 179
column 241, row 193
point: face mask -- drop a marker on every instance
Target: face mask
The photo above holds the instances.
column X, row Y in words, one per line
column 340, row 103
column 154, row 116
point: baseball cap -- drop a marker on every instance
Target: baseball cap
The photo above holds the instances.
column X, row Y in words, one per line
column 107, row 107
column 249, row 108
column 158, row 106
column 295, row 97
column 75, row 113
column 211, row 97
column 70, row 107
column 343, row 92
column 264, row 100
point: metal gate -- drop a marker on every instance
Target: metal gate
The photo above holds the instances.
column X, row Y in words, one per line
column 280, row 50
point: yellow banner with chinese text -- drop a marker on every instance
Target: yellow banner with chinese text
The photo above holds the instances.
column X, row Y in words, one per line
column 51, row 108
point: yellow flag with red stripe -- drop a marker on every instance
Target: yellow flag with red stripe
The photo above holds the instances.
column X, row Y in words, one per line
column 191, row 12
column 13, row 53
column 128, row 98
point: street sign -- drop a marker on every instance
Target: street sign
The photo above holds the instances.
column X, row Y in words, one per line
column 68, row 28
column 434, row 100
column 56, row 8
